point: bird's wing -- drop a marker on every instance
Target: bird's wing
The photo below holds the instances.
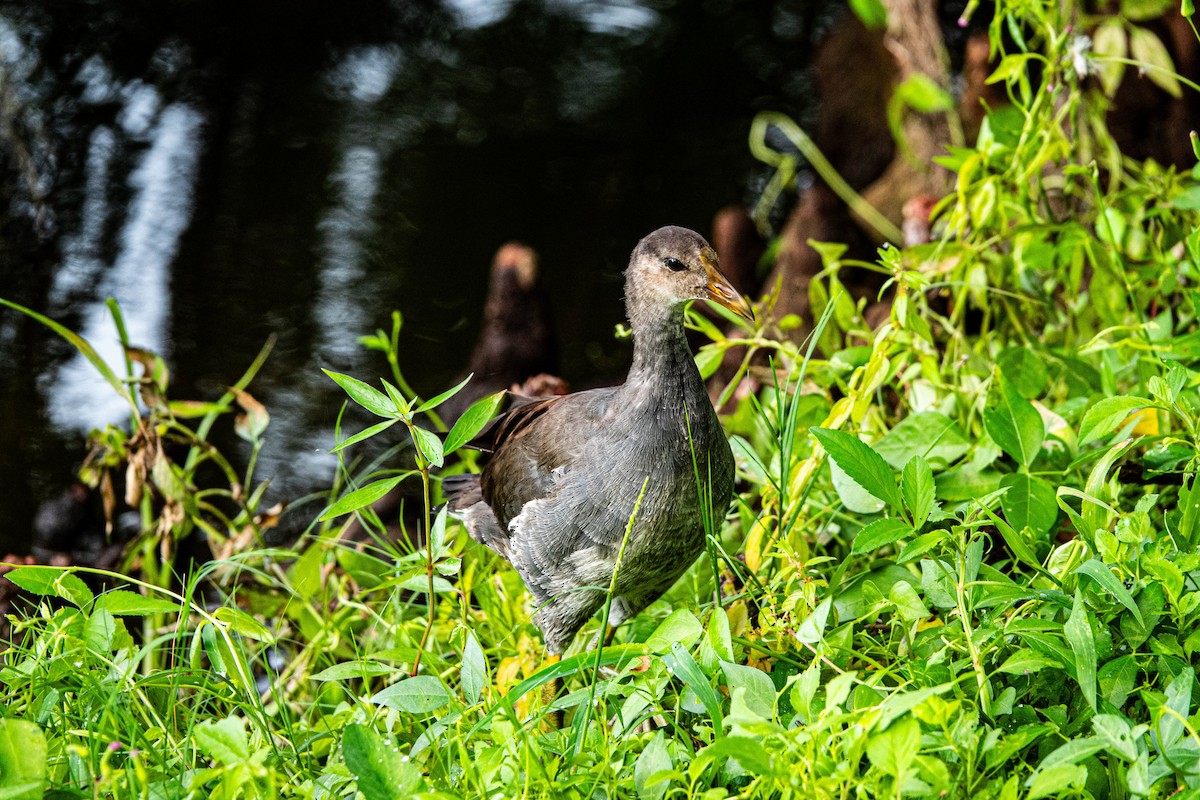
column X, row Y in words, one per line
column 534, row 443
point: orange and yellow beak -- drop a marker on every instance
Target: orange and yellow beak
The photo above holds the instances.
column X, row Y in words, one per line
column 721, row 291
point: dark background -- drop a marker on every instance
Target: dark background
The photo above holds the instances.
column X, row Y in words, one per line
column 231, row 171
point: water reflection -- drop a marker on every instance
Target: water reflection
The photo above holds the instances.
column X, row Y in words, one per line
column 371, row 158
column 159, row 211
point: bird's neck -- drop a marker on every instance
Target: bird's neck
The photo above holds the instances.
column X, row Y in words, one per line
column 662, row 361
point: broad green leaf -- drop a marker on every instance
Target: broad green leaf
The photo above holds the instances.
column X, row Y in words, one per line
column 894, row 750
column 908, row 602
column 708, row 360
column 352, row 670
column 1179, row 700
column 383, row 772
column 879, row 533
column 472, row 421
column 680, row 626
column 1078, row 632
column 1026, row 661
column 747, row 751
column 361, row 497
column 22, row 760
column 428, row 445
column 1109, row 43
column 365, row 395
column 422, row 694
column 718, row 634
column 1055, row 781
column 1151, row 601
column 54, row 581
column 223, row 740
column 1029, row 502
column 864, row 466
column 366, row 433
column 1024, row 369
column 1107, row 415
column 759, row 690
column 933, row 436
column 1146, row 48
column 1117, row 734
column 437, row 400
column 653, row 760
column 474, row 669
column 1013, row 423
column 918, row 489
column 131, row 604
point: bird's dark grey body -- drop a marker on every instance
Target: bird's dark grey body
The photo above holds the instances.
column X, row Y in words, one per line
column 559, row 491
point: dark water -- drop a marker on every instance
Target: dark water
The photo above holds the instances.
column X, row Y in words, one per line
column 232, row 172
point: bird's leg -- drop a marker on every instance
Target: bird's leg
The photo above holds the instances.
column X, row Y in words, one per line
column 554, row 719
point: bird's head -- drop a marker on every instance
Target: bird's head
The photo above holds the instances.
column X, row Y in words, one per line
column 674, row 265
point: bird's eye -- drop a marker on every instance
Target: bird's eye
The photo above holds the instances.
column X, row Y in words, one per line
column 674, row 264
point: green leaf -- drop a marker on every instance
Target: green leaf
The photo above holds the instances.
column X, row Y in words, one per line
column 366, row 433
column 353, row 670
column 1013, row 423
column 679, row 662
column 759, row 690
column 708, row 360
column 1117, row 734
column 1109, row 43
column 1029, row 502
column 1024, row 369
column 653, row 760
column 422, row 694
column 895, row 749
column 473, row 421
column 918, row 489
column 22, row 760
column 1100, row 573
column 871, row 12
column 1056, row 780
column 1026, row 661
column 864, row 466
column 933, row 436
column 1107, row 415
column 879, row 533
column 718, row 634
column 1151, row 601
column 1179, row 701
column 382, row 772
column 54, row 581
column 224, row 740
column 366, row 396
column 361, row 497
column 131, row 604
column 243, row 624
column 812, row 629
column 1078, row 632
column 474, row 669
column 436, row 401
column 1148, row 50
column 680, row 627
column 428, row 445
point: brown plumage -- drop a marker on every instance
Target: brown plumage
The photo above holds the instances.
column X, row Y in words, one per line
column 565, row 472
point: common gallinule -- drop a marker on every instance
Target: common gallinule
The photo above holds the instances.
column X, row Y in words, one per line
column 559, row 489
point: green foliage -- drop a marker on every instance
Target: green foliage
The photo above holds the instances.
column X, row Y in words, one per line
column 967, row 541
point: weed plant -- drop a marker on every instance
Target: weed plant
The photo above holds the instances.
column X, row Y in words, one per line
column 963, row 560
